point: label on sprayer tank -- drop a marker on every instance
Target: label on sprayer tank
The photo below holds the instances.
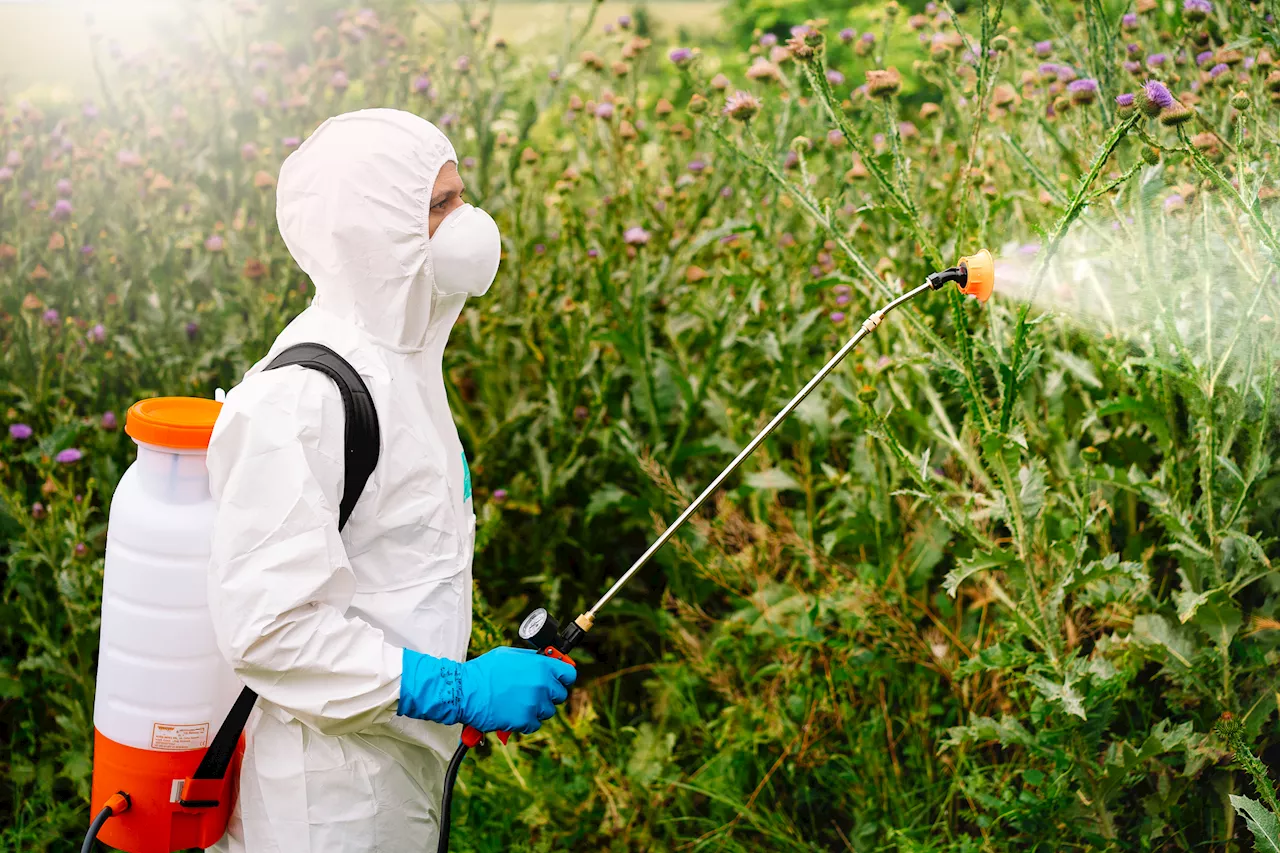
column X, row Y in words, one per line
column 171, row 738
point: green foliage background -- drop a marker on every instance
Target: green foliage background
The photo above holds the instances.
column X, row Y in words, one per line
column 989, row 589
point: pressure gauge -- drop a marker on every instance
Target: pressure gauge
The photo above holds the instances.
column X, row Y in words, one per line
column 539, row 629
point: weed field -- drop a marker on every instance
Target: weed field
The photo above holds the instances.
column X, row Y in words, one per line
column 1006, row 581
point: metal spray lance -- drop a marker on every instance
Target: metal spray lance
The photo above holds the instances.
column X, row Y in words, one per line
column 974, row 275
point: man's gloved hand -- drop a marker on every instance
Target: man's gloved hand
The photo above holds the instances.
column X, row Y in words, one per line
column 506, row 689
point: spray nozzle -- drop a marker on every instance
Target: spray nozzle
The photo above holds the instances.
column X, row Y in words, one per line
column 974, row 275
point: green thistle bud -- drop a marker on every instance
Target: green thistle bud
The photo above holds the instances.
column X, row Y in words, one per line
column 1090, row 455
column 1000, row 44
column 867, row 394
column 697, row 104
column 801, row 144
column 1151, row 156
column 1241, row 101
column 1176, row 115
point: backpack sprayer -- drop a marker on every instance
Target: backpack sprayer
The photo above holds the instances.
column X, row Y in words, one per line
column 974, row 275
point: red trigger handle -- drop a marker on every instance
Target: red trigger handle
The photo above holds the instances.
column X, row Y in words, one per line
column 472, row 736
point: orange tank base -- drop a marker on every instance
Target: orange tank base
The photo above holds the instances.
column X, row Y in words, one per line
column 156, row 822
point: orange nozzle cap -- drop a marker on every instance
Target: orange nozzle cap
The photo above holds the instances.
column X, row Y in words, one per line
column 182, row 423
column 982, row 275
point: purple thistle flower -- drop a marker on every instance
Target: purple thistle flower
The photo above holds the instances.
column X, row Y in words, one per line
column 468, row 162
column 81, row 549
column 109, row 420
column 680, row 55
column 539, row 249
column 248, row 152
column 1083, row 91
column 51, row 317
column 339, row 81
column 20, row 432
column 291, row 142
column 848, row 34
column 1125, row 100
column 215, row 244
column 843, row 299
column 726, row 192
column 593, row 253
column 68, row 456
column 624, row 21
column 834, row 77
column 837, row 316
column 1197, row 10
column 421, row 84
column 63, row 188
column 192, row 329
column 1129, row 20
column 260, row 96
column 61, row 210
column 868, row 38
column 1044, row 48
column 98, row 333
column 604, row 111
column 635, row 236
column 1174, row 202
column 1133, row 67
column 499, row 495
column 697, row 165
column 86, row 251
column 37, row 510
column 1133, row 48
column 1157, row 95
column 768, row 40
column 1218, row 70
column 6, row 174
column 1204, row 57
column 1155, row 60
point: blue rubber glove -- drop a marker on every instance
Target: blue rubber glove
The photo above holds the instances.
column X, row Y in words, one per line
column 506, row 689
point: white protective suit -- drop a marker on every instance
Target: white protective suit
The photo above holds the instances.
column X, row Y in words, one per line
column 311, row 619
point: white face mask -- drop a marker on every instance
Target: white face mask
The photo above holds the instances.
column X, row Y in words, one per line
column 465, row 252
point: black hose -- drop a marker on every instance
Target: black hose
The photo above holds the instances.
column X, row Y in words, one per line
column 446, row 802
column 94, row 829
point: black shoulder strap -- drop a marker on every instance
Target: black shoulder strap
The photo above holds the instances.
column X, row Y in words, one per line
column 361, row 417
column 362, row 446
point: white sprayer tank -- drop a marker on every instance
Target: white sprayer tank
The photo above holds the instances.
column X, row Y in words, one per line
column 163, row 688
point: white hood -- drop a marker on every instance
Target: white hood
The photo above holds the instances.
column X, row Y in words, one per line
column 352, row 205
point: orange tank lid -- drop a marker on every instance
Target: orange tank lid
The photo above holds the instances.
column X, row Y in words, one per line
column 182, row 423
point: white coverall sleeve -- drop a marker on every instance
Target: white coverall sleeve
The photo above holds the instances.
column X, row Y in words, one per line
column 279, row 578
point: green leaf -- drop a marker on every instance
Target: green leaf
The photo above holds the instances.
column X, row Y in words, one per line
column 979, row 561
column 1151, row 629
column 604, row 498
column 1064, row 694
column 1262, row 823
column 1079, row 368
column 1219, row 618
column 774, row 478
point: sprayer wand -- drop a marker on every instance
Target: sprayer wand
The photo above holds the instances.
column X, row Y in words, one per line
column 974, row 275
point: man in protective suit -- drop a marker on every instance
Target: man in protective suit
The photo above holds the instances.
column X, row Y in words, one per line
column 355, row 640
